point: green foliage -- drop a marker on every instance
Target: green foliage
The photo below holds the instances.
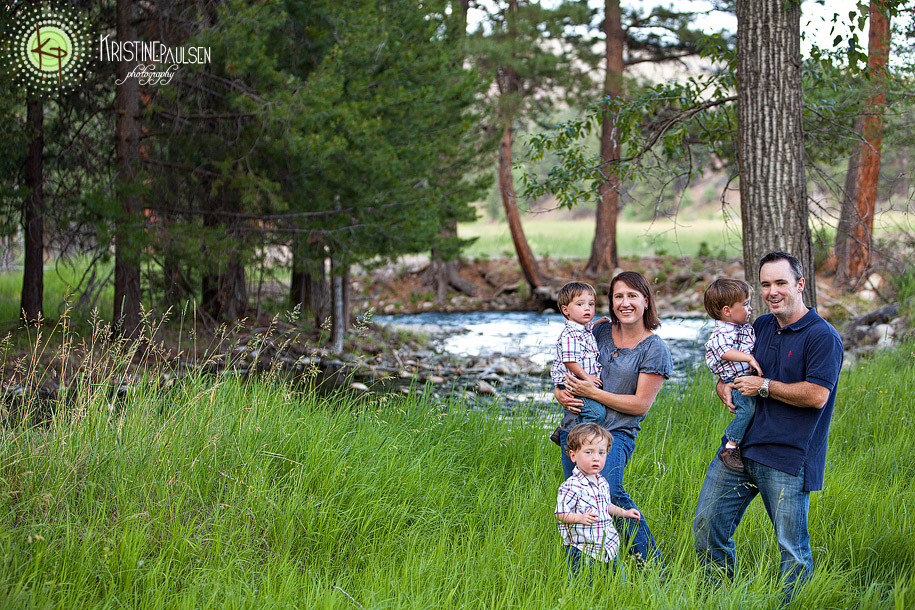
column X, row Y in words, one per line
column 214, row 493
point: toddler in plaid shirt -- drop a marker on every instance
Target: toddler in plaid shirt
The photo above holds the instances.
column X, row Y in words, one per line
column 728, row 354
column 576, row 349
column 583, row 505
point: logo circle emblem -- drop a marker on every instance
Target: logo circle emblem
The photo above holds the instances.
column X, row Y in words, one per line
column 46, row 48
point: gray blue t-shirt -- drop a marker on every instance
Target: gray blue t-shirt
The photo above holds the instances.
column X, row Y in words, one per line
column 620, row 374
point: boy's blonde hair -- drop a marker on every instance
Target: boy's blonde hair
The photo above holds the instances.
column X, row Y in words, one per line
column 572, row 290
column 584, row 432
column 724, row 292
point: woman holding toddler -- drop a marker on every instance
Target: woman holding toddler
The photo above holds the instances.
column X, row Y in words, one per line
column 635, row 362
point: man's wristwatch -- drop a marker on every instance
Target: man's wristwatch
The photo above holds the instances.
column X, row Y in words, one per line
column 764, row 388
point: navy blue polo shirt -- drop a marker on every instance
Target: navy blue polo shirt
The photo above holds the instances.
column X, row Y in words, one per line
column 783, row 436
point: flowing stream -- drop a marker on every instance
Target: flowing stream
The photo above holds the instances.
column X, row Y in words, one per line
column 532, row 336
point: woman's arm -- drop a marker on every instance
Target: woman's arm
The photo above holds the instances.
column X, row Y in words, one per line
column 646, row 391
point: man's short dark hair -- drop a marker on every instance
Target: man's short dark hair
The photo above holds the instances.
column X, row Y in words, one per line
column 796, row 269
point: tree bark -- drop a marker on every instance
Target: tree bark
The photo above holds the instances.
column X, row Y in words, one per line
column 770, row 140
column 603, row 249
column 126, row 257
column 32, row 298
column 529, row 267
column 338, row 321
column 856, row 223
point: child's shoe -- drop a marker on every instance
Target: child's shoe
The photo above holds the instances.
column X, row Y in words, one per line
column 731, row 459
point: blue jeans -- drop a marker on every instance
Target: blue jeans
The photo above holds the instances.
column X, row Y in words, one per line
column 636, row 533
column 577, row 561
column 725, row 496
column 746, row 407
column 591, row 411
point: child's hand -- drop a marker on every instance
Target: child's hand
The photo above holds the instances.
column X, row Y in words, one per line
column 755, row 366
column 602, row 320
column 587, row 518
column 594, row 379
column 632, row 514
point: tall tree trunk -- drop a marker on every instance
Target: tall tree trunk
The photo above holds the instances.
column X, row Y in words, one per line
column 31, row 304
column 308, row 285
column 526, row 259
column 770, row 138
column 224, row 288
column 603, row 249
column 338, row 320
column 126, row 257
column 856, row 223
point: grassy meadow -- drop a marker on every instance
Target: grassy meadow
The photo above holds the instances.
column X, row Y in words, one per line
column 681, row 236
column 216, row 492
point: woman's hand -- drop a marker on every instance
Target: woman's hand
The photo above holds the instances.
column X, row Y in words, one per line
column 569, row 402
column 580, row 387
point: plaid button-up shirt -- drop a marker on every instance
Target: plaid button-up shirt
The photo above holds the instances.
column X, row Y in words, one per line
column 579, row 494
column 725, row 337
column 576, row 343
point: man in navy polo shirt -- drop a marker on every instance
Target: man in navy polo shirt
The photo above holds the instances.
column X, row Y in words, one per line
column 784, row 449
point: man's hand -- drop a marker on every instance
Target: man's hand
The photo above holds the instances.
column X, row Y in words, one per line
column 724, row 393
column 749, row 385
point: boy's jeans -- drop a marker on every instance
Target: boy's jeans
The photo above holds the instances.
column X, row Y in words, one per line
column 592, row 412
column 746, row 407
column 579, row 561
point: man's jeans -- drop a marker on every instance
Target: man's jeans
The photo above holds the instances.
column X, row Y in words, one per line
column 635, row 532
column 725, row 496
column 746, row 407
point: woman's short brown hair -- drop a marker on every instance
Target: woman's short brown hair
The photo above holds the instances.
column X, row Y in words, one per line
column 636, row 281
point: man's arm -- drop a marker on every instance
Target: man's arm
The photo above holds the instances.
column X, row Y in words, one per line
column 801, row 394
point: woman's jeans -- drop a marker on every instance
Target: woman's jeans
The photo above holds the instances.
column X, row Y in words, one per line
column 746, row 407
column 725, row 496
column 636, row 533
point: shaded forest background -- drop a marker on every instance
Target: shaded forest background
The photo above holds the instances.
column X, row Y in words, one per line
column 325, row 137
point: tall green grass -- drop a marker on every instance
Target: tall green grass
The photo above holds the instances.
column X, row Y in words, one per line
column 216, row 492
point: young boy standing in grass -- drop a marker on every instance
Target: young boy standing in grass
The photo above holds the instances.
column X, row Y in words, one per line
column 583, row 505
column 576, row 349
column 728, row 355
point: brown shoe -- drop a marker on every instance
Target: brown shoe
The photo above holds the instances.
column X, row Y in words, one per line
column 555, row 435
column 731, row 459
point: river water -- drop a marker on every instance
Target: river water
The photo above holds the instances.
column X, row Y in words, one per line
column 533, row 336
